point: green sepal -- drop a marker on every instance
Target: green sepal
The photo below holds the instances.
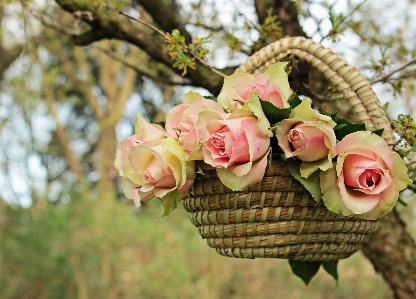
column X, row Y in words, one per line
column 170, row 201
column 311, row 184
column 274, row 114
column 160, row 123
column 331, row 268
column 304, row 270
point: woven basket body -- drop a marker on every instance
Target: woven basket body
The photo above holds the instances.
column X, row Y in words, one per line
column 277, row 217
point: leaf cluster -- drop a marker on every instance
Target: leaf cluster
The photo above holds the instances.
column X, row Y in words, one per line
column 405, row 128
column 270, row 30
column 184, row 54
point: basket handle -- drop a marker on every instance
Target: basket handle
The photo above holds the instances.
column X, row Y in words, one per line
column 347, row 79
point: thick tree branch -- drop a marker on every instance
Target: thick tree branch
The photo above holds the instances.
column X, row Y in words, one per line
column 110, row 25
column 140, row 71
column 166, row 15
column 286, row 11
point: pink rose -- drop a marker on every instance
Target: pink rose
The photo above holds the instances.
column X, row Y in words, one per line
column 181, row 124
column 309, row 140
column 271, row 86
column 235, row 147
column 368, row 177
column 266, row 91
column 157, row 168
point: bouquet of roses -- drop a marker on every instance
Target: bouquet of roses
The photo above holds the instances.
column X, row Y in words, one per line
column 254, row 120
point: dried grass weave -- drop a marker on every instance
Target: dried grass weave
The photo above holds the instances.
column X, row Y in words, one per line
column 275, row 218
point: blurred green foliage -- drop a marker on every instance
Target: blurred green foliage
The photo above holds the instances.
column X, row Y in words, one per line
column 122, row 252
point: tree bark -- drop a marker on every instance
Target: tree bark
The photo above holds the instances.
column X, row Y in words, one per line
column 287, row 15
column 392, row 251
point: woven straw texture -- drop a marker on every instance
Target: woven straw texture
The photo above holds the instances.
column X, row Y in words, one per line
column 277, row 217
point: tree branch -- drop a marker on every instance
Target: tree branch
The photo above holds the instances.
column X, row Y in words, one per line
column 110, row 25
column 165, row 36
column 139, row 70
column 383, row 78
column 166, row 15
column 286, row 11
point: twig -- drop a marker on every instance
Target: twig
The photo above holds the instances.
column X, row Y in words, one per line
column 139, row 70
column 144, row 23
column 346, row 17
column 383, row 78
column 166, row 36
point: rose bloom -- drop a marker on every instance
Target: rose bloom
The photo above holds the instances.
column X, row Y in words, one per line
column 309, row 140
column 367, row 179
column 266, row 91
column 145, row 132
column 235, row 147
column 271, row 86
column 157, row 168
column 181, row 124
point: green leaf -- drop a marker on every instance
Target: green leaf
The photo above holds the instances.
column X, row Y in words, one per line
column 274, row 114
column 170, row 201
column 331, row 268
column 294, row 100
column 304, row 270
column 344, row 127
column 340, row 126
column 379, row 132
column 386, row 106
column 311, row 183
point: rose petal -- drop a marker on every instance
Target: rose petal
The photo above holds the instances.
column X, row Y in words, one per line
column 356, row 201
column 331, row 194
column 367, row 140
column 235, row 182
column 386, row 203
column 400, row 172
column 240, row 150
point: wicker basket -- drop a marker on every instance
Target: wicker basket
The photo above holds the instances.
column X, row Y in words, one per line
column 277, row 217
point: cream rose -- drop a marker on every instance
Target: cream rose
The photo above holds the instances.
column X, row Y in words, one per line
column 159, row 168
column 367, row 178
column 145, row 132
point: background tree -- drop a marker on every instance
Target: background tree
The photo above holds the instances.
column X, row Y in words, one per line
column 73, row 77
